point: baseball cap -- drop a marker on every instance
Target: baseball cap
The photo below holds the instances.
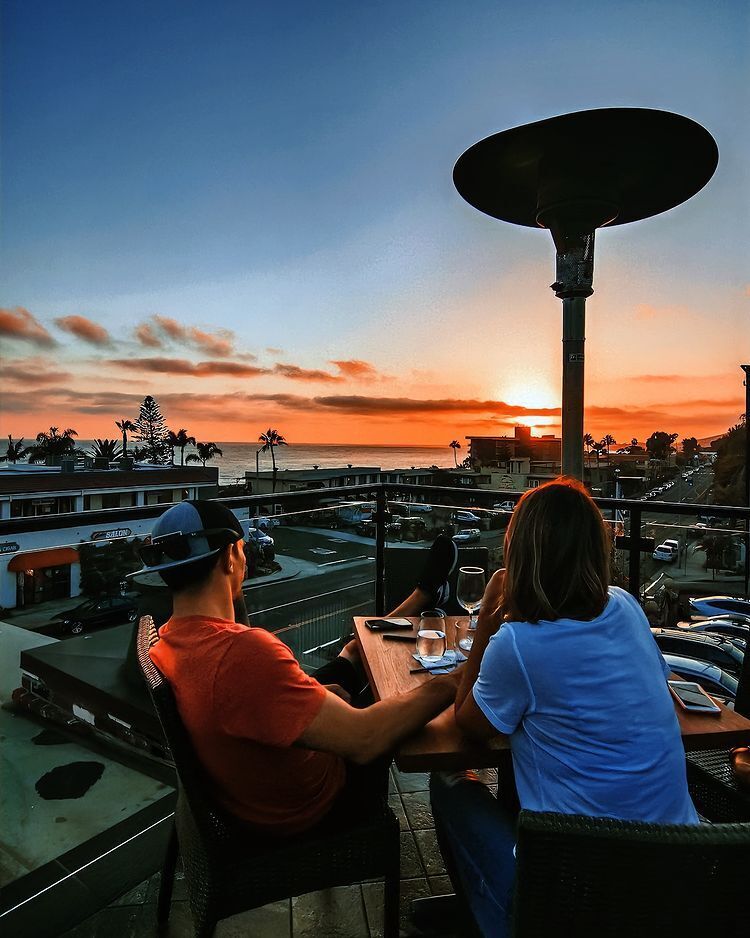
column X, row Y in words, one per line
column 187, row 532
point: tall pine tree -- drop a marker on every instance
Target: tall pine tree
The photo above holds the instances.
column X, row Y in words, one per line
column 151, row 432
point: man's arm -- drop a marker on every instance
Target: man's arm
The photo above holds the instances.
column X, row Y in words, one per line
column 489, row 621
column 363, row 735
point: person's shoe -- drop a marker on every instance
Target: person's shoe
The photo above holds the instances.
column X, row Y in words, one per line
column 440, row 563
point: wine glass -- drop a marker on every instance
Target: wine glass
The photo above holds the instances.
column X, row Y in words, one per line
column 469, row 593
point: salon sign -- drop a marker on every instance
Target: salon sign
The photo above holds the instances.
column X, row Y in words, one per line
column 111, row 534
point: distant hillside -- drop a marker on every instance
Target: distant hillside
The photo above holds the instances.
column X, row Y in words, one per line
column 707, row 440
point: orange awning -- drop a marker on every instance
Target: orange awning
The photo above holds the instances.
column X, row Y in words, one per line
column 37, row 559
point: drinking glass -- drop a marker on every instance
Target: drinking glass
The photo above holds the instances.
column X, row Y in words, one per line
column 469, row 593
column 431, row 642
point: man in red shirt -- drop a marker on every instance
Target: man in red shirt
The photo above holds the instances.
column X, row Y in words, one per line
column 283, row 748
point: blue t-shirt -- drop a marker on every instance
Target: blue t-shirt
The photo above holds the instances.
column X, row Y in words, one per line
column 592, row 725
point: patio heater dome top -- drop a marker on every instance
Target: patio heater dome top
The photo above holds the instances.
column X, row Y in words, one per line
column 584, row 170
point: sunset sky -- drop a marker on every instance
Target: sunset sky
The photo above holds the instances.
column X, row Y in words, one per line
column 246, row 210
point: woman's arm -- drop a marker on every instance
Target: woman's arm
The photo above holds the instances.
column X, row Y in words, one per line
column 489, row 621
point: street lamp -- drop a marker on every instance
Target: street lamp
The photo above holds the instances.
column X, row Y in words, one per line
column 573, row 174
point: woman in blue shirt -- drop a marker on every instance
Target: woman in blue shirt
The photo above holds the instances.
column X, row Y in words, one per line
column 566, row 666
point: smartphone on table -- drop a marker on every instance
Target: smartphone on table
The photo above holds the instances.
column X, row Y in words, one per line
column 387, row 625
column 691, row 696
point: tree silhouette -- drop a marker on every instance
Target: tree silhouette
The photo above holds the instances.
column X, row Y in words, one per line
column 125, row 426
column 179, row 441
column 659, row 444
column 598, row 449
column 105, row 449
column 52, row 445
column 15, row 451
column 270, row 440
column 608, row 441
column 690, row 447
column 206, row 451
column 151, row 432
column 455, row 446
column 588, row 442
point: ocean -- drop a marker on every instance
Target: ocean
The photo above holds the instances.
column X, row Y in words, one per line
column 239, row 457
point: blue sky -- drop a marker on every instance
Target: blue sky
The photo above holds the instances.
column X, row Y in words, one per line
column 284, row 172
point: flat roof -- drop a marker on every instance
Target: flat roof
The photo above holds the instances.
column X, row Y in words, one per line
column 20, row 482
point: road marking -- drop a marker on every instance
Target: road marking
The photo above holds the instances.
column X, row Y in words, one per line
column 331, row 563
column 296, row 602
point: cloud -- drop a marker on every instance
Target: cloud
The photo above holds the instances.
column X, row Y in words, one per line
column 145, row 334
column 85, row 329
column 304, row 374
column 19, row 323
column 356, row 369
column 180, row 366
column 32, row 371
column 358, row 404
column 274, row 351
column 219, row 343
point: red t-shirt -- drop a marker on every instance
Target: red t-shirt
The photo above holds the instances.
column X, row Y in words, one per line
column 244, row 700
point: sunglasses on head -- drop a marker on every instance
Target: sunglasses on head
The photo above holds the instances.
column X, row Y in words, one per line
column 176, row 546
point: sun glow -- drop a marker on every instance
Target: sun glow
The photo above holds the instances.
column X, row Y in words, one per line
column 534, row 391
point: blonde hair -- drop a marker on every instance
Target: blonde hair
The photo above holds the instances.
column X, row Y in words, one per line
column 557, row 555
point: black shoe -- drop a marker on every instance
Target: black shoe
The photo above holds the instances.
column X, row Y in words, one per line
column 440, row 563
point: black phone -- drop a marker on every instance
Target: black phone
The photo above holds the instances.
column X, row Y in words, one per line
column 398, row 637
column 387, row 625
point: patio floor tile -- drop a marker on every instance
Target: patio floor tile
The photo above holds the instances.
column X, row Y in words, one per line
column 432, row 859
column 418, row 811
column 335, row 913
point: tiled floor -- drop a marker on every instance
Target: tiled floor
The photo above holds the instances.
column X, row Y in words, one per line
column 346, row 912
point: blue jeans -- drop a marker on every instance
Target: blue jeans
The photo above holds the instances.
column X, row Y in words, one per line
column 478, row 835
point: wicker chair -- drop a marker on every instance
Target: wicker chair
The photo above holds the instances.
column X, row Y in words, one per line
column 230, row 868
column 580, row 876
column 710, row 777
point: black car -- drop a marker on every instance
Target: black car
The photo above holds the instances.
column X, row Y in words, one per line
column 95, row 613
column 712, row 649
column 711, row 678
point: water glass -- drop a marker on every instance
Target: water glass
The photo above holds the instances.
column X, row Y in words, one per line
column 430, row 645
column 431, row 640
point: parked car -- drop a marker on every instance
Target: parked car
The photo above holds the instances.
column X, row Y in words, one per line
column 713, row 649
column 263, row 541
column 95, row 613
column 665, row 552
column 504, row 506
column 467, row 536
column 713, row 679
column 263, row 524
column 464, row 516
column 719, row 605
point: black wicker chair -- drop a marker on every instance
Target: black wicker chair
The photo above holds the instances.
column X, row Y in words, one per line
column 581, row 876
column 228, row 867
column 711, row 780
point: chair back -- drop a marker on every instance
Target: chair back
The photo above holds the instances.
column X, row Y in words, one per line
column 404, row 564
column 211, row 822
column 580, row 876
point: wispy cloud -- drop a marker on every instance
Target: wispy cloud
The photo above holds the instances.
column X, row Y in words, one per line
column 219, row 342
column 146, row 335
column 32, row 371
column 19, row 323
column 356, row 369
column 296, row 373
column 84, row 328
column 180, row 366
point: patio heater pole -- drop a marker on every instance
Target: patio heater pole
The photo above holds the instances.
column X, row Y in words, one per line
column 746, row 369
column 573, row 174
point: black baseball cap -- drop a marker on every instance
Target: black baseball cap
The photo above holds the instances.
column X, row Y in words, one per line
column 187, row 532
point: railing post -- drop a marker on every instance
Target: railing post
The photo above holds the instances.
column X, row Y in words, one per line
column 381, row 509
column 634, row 560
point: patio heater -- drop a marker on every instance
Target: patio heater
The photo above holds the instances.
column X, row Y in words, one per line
column 573, row 174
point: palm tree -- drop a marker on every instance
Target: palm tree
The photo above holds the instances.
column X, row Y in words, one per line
column 205, row 452
column 588, row 442
column 608, row 441
column 179, row 441
column 598, row 449
column 455, row 445
column 51, row 446
column 271, row 439
column 125, row 426
column 15, row 451
column 105, row 449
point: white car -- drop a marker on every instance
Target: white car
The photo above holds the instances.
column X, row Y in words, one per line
column 465, row 516
column 665, row 552
column 467, row 536
column 719, row 606
column 504, row 506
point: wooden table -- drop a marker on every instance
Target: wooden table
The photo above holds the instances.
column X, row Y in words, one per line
column 441, row 745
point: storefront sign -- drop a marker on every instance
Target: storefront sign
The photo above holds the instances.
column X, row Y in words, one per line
column 111, row 534
column 9, row 547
